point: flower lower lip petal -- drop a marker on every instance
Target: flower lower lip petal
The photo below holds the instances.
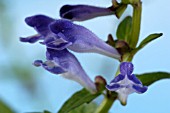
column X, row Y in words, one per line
column 118, row 78
column 126, row 83
column 139, row 89
column 134, row 79
column 113, row 87
column 60, row 46
column 31, row 39
column 38, row 63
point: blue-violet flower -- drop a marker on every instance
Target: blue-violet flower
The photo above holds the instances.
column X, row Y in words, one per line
column 83, row 12
column 60, row 34
column 65, row 63
column 40, row 23
column 126, row 83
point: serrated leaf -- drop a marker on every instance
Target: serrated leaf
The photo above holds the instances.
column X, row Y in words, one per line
column 77, row 99
column 4, row 108
column 149, row 78
column 85, row 108
column 147, row 40
column 124, row 29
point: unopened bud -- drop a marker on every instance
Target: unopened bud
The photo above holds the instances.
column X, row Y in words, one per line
column 122, row 47
column 100, row 83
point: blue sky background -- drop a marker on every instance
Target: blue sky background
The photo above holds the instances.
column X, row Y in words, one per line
column 43, row 90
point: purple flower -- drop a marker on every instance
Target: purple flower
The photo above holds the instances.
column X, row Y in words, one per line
column 65, row 63
column 83, row 12
column 60, row 34
column 79, row 39
column 126, row 83
column 40, row 23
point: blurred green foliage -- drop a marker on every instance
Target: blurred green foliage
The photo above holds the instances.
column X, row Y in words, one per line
column 12, row 68
column 4, row 108
column 6, row 25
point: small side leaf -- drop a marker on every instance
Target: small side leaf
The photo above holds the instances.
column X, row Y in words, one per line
column 124, row 29
column 77, row 99
column 147, row 40
column 149, row 78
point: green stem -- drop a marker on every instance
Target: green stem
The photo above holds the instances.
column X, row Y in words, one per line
column 105, row 105
column 136, row 22
column 127, row 57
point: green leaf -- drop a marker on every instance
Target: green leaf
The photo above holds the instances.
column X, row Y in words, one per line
column 149, row 78
column 77, row 99
column 4, row 108
column 85, row 108
column 147, row 40
column 124, row 29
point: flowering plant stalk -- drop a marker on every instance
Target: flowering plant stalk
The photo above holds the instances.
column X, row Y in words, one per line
column 61, row 36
